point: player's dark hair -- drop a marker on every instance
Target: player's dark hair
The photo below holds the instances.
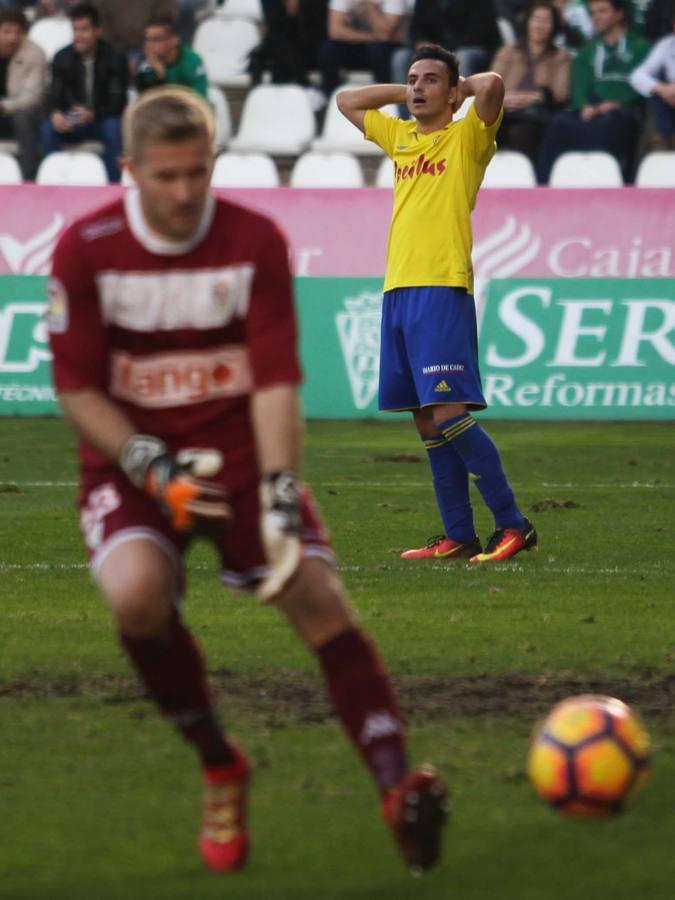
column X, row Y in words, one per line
column 435, row 51
column 12, row 15
column 85, row 11
column 168, row 114
column 555, row 18
column 168, row 23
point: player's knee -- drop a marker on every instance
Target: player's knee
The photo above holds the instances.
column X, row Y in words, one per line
column 316, row 604
column 140, row 591
column 142, row 619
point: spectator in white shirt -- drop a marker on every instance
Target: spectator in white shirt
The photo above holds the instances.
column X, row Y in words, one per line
column 655, row 80
column 362, row 34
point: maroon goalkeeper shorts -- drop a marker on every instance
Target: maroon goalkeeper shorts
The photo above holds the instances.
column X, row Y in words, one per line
column 113, row 511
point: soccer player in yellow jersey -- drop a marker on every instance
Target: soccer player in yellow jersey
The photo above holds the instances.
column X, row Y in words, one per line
column 429, row 355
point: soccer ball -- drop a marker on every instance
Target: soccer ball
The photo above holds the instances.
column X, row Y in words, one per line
column 589, row 757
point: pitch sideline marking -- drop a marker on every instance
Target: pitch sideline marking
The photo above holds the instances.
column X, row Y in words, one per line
column 510, row 568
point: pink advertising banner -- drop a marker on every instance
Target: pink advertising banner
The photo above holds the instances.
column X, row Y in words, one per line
column 623, row 233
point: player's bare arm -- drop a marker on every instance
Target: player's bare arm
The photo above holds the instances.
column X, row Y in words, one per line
column 488, row 89
column 354, row 103
column 276, row 421
column 97, row 420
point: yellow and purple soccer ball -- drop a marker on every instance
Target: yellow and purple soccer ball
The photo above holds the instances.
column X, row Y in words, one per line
column 589, row 757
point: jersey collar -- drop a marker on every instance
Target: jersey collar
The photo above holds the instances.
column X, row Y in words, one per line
column 154, row 242
column 412, row 130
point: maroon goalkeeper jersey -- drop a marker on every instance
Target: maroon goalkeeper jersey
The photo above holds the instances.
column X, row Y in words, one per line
column 177, row 335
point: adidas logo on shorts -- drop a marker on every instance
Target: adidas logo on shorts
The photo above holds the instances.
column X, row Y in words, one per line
column 442, row 386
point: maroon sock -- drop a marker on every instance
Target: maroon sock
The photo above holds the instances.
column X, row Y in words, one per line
column 172, row 670
column 365, row 704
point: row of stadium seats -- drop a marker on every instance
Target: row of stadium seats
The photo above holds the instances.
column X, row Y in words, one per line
column 223, row 42
column 342, row 170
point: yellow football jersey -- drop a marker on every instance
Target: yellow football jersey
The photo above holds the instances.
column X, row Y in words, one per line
column 436, row 180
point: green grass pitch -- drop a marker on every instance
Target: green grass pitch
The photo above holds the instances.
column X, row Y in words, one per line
column 98, row 799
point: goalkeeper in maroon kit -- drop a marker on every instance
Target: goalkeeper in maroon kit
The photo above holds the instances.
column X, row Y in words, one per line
column 175, row 360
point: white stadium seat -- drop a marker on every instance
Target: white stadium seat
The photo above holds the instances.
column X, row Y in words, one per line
column 276, row 118
column 327, row 170
column 224, row 45
column 240, row 9
column 221, row 111
column 340, row 136
column 52, row 33
column 595, row 169
column 657, row 169
column 509, row 169
column 72, row 167
column 248, row 170
column 10, row 173
column 385, row 174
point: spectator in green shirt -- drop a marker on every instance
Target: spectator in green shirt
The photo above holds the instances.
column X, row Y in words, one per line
column 607, row 112
column 166, row 60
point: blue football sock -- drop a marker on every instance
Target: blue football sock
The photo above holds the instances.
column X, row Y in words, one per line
column 451, row 485
column 482, row 460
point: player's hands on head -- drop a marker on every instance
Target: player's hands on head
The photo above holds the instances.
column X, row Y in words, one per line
column 280, row 529
column 176, row 482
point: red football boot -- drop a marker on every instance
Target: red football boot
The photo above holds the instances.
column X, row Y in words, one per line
column 223, row 841
column 416, row 810
column 442, row 547
column 506, row 542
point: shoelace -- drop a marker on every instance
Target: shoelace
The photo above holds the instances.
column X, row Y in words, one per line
column 222, row 811
column 434, row 541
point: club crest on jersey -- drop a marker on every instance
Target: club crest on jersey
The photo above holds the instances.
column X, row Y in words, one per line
column 359, row 332
column 421, row 166
column 221, row 292
column 57, row 307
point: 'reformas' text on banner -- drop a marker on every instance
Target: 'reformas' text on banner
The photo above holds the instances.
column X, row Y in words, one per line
column 579, row 348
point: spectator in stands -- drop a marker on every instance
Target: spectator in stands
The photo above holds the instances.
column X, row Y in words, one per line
column 536, row 77
column 361, row 35
column 655, row 80
column 123, row 28
column 467, row 27
column 88, row 91
column 607, row 112
column 23, row 78
column 167, row 60
column 294, row 30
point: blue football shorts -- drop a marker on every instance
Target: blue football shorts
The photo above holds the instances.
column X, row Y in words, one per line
column 429, row 349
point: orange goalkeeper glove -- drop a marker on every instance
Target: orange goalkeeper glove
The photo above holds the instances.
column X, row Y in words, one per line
column 175, row 480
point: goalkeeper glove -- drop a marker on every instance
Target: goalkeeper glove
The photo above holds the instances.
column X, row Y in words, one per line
column 280, row 529
column 175, row 480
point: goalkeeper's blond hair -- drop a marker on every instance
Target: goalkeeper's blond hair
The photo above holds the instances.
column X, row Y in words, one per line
column 166, row 114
